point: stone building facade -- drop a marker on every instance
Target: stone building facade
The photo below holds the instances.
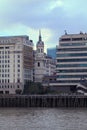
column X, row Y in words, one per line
column 16, row 63
column 44, row 65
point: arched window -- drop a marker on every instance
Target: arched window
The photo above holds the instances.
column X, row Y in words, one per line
column 41, row 50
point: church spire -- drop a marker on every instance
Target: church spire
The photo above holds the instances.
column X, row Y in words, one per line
column 40, row 38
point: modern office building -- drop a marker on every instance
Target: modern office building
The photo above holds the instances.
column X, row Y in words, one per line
column 16, row 63
column 71, row 60
column 51, row 52
column 44, row 65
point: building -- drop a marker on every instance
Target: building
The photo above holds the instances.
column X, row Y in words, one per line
column 44, row 65
column 71, row 60
column 16, row 63
column 81, row 87
column 51, row 52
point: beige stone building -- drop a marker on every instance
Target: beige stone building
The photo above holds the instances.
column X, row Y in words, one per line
column 16, row 63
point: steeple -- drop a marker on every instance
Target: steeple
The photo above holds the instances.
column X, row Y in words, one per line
column 40, row 38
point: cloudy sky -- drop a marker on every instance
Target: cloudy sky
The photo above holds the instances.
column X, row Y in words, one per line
column 26, row 17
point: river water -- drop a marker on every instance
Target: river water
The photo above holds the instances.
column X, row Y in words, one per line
column 43, row 119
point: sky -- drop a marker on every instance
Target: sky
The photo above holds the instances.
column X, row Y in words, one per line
column 52, row 17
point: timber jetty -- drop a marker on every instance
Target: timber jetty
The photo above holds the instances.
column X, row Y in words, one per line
column 43, row 101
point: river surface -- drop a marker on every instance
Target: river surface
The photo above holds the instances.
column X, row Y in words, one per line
column 43, row 119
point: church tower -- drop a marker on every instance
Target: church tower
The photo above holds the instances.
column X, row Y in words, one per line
column 44, row 65
column 39, row 60
column 40, row 46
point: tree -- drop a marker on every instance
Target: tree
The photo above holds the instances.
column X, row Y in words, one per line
column 33, row 88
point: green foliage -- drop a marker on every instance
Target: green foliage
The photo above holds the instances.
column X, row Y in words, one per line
column 33, row 88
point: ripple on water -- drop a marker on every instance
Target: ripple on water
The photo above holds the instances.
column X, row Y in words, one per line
column 43, row 119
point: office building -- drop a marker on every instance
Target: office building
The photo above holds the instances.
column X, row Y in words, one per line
column 16, row 63
column 71, row 60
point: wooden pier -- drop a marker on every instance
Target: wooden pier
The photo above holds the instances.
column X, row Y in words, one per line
column 43, row 101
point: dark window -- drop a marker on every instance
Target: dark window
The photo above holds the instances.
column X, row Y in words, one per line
column 18, row 80
column 18, row 56
column 38, row 64
column 18, row 65
column 17, row 86
column 6, row 92
column 18, row 70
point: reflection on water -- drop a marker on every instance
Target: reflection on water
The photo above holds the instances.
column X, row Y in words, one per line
column 43, row 119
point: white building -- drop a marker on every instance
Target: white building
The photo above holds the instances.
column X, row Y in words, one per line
column 16, row 63
column 44, row 65
column 71, row 60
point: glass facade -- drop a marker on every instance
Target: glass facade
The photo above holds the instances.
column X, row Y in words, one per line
column 71, row 59
column 51, row 52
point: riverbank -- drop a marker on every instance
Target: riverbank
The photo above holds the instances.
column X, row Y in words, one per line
column 43, row 101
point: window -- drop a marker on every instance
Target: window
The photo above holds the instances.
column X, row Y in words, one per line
column 2, row 75
column 18, row 61
column 18, row 56
column 18, row 70
column 42, row 50
column 18, row 80
column 18, row 65
column 38, row 64
column 17, row 86
column 8, row 80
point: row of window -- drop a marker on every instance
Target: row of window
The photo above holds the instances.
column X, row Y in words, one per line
column 9, row 86
column 72, row 60
column 4, row 52
column 4, row 70
column 4, row 75
column 4, row 61
column 6, row 56
column 72, row 70
column 72, row 49
column 74, row 39
column 71, row 76
column 73, row 44
column 4, row 81
column 8, row 80
column 71, row 54
column 71, row 65
column 68, row 81
column 4, row 65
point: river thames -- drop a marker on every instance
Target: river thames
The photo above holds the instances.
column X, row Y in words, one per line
column 43, row 119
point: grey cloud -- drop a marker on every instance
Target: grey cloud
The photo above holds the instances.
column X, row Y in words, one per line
column 35, row 14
